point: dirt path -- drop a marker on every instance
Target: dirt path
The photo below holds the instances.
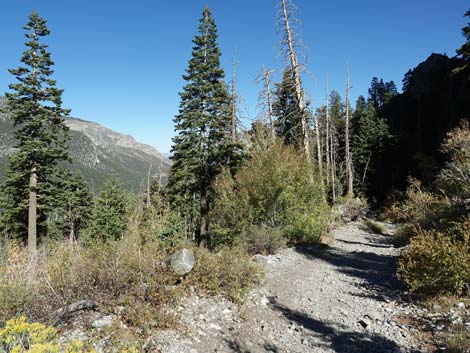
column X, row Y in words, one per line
column 343, row 298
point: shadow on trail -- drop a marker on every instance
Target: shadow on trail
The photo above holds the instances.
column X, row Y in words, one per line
column 371, row 244
column 337, row 338
column 375, row 271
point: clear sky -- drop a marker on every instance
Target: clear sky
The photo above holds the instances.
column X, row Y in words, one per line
column 120, row 62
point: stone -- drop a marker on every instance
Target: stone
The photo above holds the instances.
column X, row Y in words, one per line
column 105, row 321
column 460, row 306
column 364, row 323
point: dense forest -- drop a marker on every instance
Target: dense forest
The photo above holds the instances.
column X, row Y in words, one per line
column 232, row 191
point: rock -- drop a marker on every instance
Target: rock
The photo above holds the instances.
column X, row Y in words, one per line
column 436, row 307
column 181, row 261
column 364, row 323
column 105, row 321
column 460, row 306
column 264, row 301
column 454, row 319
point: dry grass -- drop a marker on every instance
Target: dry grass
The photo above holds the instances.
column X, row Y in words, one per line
column 122, row 273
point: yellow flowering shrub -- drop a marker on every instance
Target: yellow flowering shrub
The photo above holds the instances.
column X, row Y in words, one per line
column 20, row 336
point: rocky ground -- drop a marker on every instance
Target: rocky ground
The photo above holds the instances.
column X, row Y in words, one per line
column 340, row 298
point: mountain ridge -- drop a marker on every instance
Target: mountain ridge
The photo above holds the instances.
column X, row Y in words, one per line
column 97, row 151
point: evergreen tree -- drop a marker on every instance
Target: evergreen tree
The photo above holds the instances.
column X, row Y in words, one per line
column 78, row 204
column 464, row 50
column 30, row 190
column 203, row 144
column 368, row 137
column 288, row 118
column 110, row 216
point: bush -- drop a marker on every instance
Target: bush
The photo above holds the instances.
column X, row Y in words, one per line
column 275, row 188
column 19, row 336
column 263, row 240
column 376, row 228
column 351, row 209
column 437, row 263
column 120, row 273
column 231, row 272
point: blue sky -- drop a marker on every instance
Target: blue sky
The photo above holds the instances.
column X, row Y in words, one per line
column 120, row 62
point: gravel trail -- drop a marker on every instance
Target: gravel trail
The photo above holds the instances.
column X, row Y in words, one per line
column 342, row 298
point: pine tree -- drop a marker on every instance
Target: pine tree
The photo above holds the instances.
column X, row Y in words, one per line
column 369, row 134
column 110, row 216
column 78, row 204
column 464, row 50
column 30, row 191
column 288, row 119
column 203, row 144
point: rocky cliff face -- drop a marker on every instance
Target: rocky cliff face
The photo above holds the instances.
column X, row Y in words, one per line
column 98, row 152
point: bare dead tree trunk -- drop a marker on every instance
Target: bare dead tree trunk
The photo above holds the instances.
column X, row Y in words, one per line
column 148, row 187
column 327, row 136
column 296, row 72
column 32, row 211
column 349, row 173
column 319, row 148
column 72, row 225
column 267, row 88
column 160, row 176
column 234, row 98
column 333, row 167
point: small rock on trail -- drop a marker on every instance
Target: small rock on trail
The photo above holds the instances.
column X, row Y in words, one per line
column 343, row 298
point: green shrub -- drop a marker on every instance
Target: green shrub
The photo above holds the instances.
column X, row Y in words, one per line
column 275, row 188
column 437, row 263
column 230, row 272
column 263, row 240
column 376, row 227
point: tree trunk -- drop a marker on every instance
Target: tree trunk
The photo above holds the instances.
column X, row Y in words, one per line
column 32, row 211
column 327, row 137
column 267, row 87
column 147, row 204
column 296, row 71
column 204, row 223
column 319, row 149
column 333, row 169
column 234, row 99
column 349, row 172
column 72, row 226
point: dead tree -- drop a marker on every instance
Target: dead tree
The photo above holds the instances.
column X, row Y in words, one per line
column 349, row 172
column 319, row 147
column 234, row 97
column 148, row 198
column 333, row 160
column 286, row 19
column 327, row 126
column 265, row 99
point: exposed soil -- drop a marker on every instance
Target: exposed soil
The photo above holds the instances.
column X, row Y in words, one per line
column 341, row 298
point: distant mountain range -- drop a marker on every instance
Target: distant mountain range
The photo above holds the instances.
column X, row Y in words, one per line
column 97, row 152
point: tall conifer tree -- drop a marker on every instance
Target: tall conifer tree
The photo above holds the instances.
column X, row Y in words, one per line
column 464, row 50
column 35, row 105
column 203, row 144
column 288, row 121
